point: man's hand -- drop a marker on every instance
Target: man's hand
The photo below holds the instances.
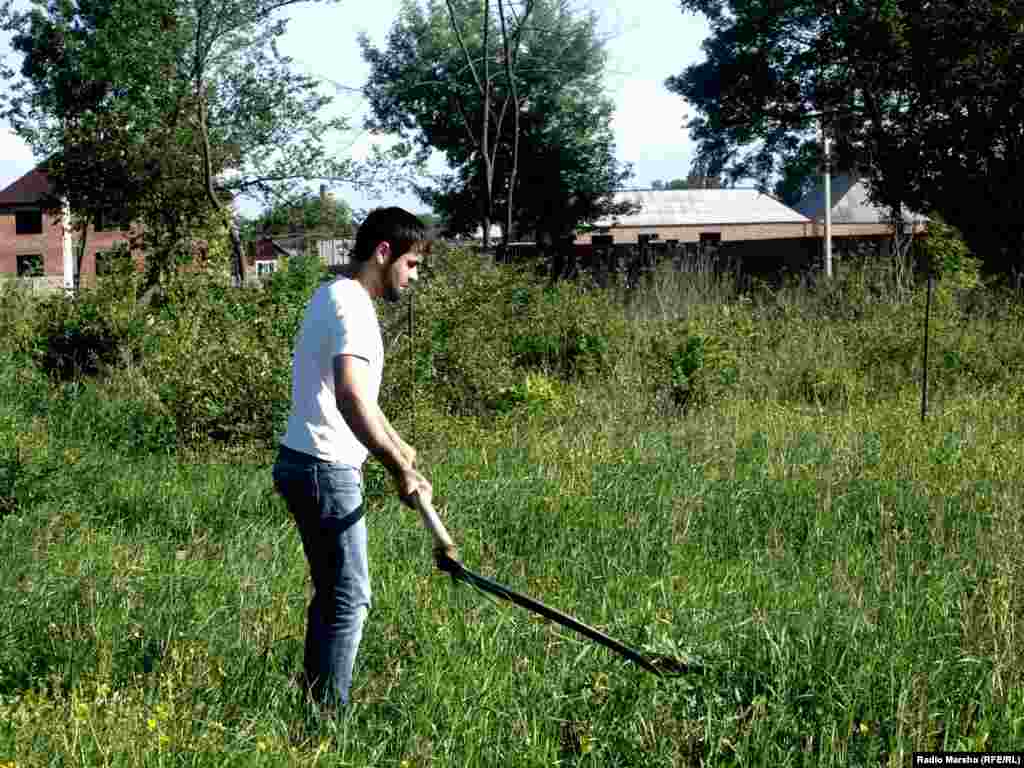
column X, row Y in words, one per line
column 407, row 451
column 409, row 482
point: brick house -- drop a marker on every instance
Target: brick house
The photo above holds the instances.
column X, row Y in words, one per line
column 751, row 227
column 699, row 215
column 36, row 244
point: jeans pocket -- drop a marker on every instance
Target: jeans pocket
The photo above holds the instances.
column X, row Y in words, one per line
column 340, row 492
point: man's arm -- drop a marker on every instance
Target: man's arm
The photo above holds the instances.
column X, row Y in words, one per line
column 367, row 422
column 407, row 450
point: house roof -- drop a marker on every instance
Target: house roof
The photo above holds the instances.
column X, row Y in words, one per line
column 850, row 203
column 30, row 189
column 681, row 207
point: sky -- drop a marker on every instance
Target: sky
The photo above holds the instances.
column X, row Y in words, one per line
column 647, row 41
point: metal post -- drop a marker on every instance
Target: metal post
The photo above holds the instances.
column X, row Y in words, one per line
column 828, row 205
column 924, row 362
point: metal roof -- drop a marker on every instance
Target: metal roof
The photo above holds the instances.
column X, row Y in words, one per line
column 682, row 207
column 850, row 203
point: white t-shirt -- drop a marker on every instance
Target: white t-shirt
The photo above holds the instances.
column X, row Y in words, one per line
column 340, row 320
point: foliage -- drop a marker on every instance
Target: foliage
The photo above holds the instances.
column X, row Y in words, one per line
column 421, row 89
column 792, row 527
column 948, row 255
column 165, row 109
column 306, row 214
column 155, row 600
column 800, row 169
column 695, row 369
column 924, row 101
column 458, row 304
column 565, row 331
column 535, row 336
column 692, row 181
column 222, row 363
column 658, row 184
column 103, row 328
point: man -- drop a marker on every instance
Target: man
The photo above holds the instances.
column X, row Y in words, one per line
column 334, row 424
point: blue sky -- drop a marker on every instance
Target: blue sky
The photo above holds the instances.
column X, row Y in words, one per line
column 647, row 40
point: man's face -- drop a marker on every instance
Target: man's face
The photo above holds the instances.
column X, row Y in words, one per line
column 400, row 273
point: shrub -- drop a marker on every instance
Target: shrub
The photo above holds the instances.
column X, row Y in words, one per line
column 485, row 336
column 18, row 319
column 457, row 359
column 691, row 368
column 81, row 336
column 565, row 331
column 117, row 413
column 944, row 247
column 222, row 364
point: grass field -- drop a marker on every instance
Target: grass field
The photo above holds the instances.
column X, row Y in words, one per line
column 765, row 499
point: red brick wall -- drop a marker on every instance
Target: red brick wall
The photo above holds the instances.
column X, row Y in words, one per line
column 98, row 241
column 49, row 244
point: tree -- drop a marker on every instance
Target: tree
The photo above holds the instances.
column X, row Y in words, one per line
column 695, row 180
column 309, row 213
column 168, row 109
column 799, row 172
column 485, row 136
column 925, row 98
column 423, row 88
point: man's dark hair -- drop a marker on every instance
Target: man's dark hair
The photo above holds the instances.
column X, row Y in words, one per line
column 395, row 225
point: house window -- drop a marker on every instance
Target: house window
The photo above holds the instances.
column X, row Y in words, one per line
column 30, row 265
column 710, row 238
column 28, row 222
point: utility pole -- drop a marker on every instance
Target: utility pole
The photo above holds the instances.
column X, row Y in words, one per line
column 828, row 201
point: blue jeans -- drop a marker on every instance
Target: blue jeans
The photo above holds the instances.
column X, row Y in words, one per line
column 326, row 501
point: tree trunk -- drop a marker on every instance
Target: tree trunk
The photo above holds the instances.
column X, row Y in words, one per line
column 509, row 55
column 237, row 263
column 486, row 224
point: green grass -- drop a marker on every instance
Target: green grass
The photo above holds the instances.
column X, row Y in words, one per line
column 850, row 577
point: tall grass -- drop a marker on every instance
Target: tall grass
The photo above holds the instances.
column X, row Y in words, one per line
column 742, row 478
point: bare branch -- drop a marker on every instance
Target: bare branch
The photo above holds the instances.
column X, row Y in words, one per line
column 462, row 44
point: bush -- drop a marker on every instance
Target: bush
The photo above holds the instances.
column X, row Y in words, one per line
column 18, row 319
column 691, row 368
column 565, row 331
column 482, row 331
column 222, row 364
column 457, row 360
column 117, row 413
column 82, row 336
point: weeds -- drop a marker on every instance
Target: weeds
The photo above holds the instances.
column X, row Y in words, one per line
column 744, row 480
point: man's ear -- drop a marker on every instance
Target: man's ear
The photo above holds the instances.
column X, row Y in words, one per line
column 383, row 252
